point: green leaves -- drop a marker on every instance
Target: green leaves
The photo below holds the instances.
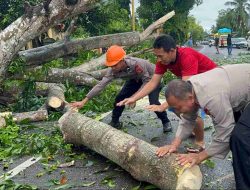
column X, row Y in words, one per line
column 109, row 181
column 9, row 184
column 209, row 163
column 16, row 143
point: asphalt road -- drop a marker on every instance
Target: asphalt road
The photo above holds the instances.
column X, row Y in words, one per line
column 145, row 126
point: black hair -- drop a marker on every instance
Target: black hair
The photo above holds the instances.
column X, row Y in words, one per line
column 178, row 88
column 165, row 41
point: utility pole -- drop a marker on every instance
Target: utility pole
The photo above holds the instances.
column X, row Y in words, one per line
column 133, row 14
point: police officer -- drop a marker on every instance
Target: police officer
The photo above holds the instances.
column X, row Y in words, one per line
column 137, row 72
column 227, row 101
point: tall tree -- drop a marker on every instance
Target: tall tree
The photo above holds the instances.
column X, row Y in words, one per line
column 177, row 27
column 226, row 19
column 109, row 17
column 10, row 10
column 240, row 9
column 195, row 29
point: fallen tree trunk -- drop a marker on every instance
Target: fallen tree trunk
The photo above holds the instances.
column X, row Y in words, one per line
column 55, row 75
column 134, row 155
column 49, row 52
column 39, row 115
column 99, row 74
column 31, row 25
column 92, row 65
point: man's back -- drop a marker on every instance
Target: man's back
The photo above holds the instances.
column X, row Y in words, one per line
column 231, row 81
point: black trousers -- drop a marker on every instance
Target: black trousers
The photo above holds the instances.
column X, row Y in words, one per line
column 129, row 88
column 240, row 147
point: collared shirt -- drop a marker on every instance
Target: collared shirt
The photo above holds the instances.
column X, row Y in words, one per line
column 221, row 91
column 188, row 62
column 138, row 69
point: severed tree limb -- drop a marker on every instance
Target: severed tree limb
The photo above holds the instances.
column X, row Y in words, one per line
column 70, row 29
column 155, row 25
column 99, row 74
column 134, row 155
column 52, row 51
column 49, row 52
column 39, row 115
column 26, row 28
column 56, row 97
column 92, row 65
column 55, row 75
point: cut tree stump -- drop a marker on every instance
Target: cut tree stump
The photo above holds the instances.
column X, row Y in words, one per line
column 134, row 155
column 56, row 97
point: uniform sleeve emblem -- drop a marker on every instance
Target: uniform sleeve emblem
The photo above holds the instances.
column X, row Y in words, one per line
column 138, row 69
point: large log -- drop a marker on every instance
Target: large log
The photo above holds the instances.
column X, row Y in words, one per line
column 33, row 24
column 50, row 52
column 134, row 155
column 47, row 53
column 39, row 115
column 55, row 75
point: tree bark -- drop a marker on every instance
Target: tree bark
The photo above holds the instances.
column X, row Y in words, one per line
column 39, row 115
column 24, row 29
column 99, row 74
column 50, row 52
column 92, row 65
column 55, row 75
column 47, row 53
column 134, row 155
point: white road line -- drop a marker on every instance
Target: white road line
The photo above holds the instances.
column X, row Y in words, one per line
column 19, row 168
column 201, row 50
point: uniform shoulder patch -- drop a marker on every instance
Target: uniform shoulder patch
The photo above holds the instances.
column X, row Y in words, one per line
column 138, row 69
column 207, row 111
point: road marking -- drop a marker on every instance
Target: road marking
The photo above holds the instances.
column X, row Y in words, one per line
column 202, row 49
column 19, row 168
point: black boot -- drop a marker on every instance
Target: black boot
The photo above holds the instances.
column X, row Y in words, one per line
column 167, row 127
column 116, row 124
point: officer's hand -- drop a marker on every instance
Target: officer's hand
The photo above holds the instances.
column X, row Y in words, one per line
column 77, row 105
column 158, row 108
column 132, row 105
column 167, row 149
column 126, row 101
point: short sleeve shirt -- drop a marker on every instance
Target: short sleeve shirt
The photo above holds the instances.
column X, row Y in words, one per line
column 188, row 62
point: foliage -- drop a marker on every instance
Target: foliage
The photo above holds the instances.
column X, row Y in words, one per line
column 101, row 103
column 149, row 11
column 195, row 29
column 242, row 58
column 18, row 142
column 107, row 18
column 10, row 10
column 235, row 18
column 9, row 184
column 28, row 101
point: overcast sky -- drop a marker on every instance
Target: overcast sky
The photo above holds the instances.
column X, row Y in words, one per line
column 207, row 12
